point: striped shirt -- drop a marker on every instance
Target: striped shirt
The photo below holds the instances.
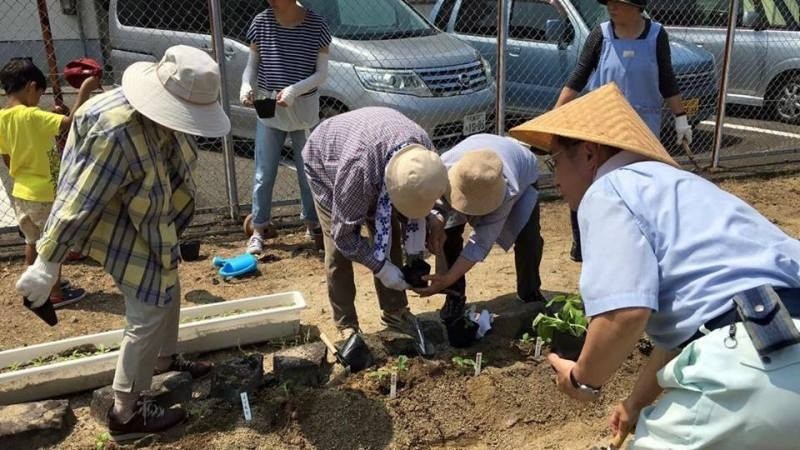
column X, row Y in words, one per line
column 125, row 194
column 345, row 160
column 287, row 54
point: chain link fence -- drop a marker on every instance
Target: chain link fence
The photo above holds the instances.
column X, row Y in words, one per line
column 436, row 61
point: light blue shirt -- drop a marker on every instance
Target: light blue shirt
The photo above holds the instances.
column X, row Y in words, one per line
column 657, row 237
column 503, row 224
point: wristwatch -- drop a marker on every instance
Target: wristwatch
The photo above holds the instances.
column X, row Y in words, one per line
column 594, row 391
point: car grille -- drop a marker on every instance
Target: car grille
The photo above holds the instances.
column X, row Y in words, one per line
column 696, row 80
column 455, row 80
column 446, row 135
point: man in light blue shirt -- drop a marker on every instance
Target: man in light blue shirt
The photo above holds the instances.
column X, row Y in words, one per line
column 491, row 188
column 666, row 251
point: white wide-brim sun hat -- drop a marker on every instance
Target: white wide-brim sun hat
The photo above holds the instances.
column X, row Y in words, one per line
column 180, row 92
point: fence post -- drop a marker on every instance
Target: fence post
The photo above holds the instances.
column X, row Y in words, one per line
column 500, row 72
column 218, row 44
column 733, row 11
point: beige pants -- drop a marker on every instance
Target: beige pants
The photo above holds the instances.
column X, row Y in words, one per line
column 341, row 282
column 31, row 217
column 151, row 331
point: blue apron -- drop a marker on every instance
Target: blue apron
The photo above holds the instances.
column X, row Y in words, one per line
column 633, row 65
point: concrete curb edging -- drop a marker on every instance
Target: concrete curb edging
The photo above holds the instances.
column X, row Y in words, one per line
column 261, row 319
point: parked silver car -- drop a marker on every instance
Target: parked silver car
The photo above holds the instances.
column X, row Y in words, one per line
column 383, row 53
column 765, row 66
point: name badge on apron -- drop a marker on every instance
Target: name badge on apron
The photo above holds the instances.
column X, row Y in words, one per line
column 628, row 53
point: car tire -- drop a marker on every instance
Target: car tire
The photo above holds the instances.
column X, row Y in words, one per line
column 786, row 99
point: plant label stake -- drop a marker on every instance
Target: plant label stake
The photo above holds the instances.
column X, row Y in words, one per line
column 246, row 407
column 393, row 386
column 537, row 352
column 478, row 359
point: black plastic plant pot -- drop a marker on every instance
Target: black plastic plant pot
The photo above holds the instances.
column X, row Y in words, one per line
column 566, row 345
column 414, row 272
column 45, row 312
column 461, row 332
column 190, row 250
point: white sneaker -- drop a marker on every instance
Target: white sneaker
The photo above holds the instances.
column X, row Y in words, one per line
column 255, row 245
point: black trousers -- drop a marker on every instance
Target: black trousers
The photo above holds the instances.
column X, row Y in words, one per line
column 527, row 257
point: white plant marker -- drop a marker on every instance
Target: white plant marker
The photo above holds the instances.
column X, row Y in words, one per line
column 248, row 416
column 393, row 386
column 537, row 352
column 478, row 359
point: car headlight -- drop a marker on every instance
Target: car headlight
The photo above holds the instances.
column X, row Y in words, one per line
column 393, row 81
column 487, row 69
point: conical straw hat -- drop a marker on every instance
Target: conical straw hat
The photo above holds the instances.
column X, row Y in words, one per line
column 602, row 116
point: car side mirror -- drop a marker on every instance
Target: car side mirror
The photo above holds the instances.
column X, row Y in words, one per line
column 753, row 19
column 558, row 31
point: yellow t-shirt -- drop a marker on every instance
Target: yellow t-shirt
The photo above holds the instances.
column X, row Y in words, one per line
column 27, row 135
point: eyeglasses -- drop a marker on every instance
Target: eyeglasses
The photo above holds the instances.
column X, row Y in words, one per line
column 550, row 161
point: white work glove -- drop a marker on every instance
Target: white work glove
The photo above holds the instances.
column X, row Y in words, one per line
column 37, row 281
column 683, row 130
column 392, row 277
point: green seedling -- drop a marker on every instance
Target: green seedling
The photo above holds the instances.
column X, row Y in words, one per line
column 399, row 365
column 527, row 339
column 466, row 364
column 102, row 441
column 570, row 319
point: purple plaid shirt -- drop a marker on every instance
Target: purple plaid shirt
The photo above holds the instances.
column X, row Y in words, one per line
column 345, row 159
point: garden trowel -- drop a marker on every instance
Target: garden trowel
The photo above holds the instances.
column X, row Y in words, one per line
column 354, row 354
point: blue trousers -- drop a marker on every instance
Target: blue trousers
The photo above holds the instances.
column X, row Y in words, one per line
column 269, row 144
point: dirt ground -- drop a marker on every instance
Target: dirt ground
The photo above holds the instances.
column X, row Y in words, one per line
column 512, row 404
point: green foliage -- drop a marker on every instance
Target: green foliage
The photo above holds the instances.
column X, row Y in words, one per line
column 467, row 364
column 527, row 339
column 102, row 441
column 399, row 365
column 570, row 319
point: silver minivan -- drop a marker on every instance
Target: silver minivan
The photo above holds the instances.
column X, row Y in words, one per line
column 383, row 53
column 765, row 66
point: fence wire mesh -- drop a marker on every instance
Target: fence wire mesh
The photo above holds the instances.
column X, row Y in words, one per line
column 435, row 61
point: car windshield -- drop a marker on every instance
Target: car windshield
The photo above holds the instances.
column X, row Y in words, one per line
column 592, row 12
column 368, row 20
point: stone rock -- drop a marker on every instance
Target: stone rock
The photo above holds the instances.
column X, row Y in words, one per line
column 306, row 365
column 166, row 389
column 517, row 319
column 233, row 377
column 35, row 425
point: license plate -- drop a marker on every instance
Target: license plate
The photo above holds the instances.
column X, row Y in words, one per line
column 691, row 106
column 474, row 123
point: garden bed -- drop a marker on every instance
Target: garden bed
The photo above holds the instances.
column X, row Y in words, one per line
column 76, row 364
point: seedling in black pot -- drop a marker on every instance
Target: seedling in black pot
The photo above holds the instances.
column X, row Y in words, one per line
column 564, row 329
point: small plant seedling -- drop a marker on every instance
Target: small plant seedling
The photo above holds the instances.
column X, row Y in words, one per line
column 399, row 365
column 570, row 319
column 466, row 364
column 102, row 441
column 527, row 339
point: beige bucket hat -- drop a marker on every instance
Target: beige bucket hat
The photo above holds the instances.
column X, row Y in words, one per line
column 180, row 92
column 477, row 184
column 415, row 178
column 602, row 116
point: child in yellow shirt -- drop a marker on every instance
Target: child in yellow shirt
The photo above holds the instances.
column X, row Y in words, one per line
column 27, row 145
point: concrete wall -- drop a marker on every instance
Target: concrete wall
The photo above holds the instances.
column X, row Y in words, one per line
column 21, row 35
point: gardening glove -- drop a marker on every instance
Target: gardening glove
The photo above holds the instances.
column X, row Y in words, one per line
column 37, row 281
column 392, row 277
column 683, row 130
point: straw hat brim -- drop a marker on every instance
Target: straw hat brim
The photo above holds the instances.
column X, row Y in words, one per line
column 414, row 207
column 149, row 97
column 602, row 116
column 487, row 203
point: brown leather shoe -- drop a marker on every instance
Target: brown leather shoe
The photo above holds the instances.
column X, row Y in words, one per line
column 149, row 418
column 197, row 369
